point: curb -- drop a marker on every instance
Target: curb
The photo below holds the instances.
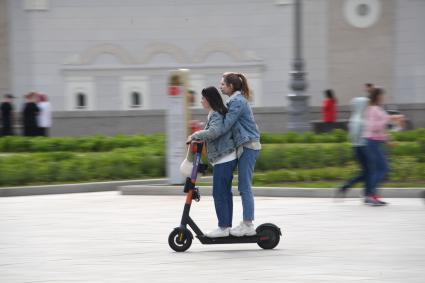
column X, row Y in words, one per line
column 272, row 191
column 160, row 187
column 72, row 188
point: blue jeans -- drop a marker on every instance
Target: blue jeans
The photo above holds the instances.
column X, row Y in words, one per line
column 361, row 155
column 378, row 164
column 246, row 166
column 222, row 192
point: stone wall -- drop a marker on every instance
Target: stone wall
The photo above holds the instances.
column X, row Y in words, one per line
column 269, row 119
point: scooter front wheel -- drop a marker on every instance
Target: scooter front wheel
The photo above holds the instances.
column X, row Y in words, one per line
column 180, row 239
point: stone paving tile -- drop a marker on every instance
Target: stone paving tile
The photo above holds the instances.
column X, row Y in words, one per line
column 107, row 237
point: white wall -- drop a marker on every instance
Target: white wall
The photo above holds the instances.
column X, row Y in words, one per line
column 4, row 49
column 108, row 40
column 409, row 67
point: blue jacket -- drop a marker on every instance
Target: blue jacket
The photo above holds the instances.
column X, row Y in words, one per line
column 240, row 120
column 217, row 145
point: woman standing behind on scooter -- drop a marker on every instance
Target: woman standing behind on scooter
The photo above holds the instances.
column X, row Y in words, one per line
column 222, row 155
column 240, row 122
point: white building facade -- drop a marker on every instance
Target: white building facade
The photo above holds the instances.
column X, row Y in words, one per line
column 109, row 55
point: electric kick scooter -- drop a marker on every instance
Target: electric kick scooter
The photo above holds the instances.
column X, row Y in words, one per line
column 180, row 239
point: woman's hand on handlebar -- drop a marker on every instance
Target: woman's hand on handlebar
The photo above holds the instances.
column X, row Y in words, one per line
column 191, row 140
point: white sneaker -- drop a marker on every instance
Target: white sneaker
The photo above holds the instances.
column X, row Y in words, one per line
column 243, row 229
column 219, row 232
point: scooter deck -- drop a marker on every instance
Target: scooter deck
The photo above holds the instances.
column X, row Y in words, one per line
column 228, row 240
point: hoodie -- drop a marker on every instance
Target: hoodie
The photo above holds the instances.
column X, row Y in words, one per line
column 356, row 121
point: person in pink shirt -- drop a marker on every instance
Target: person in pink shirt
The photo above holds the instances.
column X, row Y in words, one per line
column 375, row 132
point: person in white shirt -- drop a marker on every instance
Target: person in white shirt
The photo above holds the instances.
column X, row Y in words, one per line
column 44, row 118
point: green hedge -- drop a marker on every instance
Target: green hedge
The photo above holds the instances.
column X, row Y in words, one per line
column 21, row 169
column 308, row 137
column 56, row 160
column 293, row 156
column 281, row 163
column 103, row 143
column 336, row 136
column 405, row 169
column 80, row 144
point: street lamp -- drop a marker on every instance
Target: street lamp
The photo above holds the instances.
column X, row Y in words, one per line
column 298, row 109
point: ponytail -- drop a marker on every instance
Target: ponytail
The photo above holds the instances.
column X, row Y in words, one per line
column 245, row 88
column 238, row 82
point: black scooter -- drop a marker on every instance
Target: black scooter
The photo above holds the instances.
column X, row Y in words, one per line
column 180, row 239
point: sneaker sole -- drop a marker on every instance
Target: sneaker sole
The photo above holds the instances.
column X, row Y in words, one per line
column 375, row 204
column 243, row 235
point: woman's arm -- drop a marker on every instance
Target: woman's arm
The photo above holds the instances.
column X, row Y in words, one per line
column 235, row 109
column 214, row 125
column 234, row 112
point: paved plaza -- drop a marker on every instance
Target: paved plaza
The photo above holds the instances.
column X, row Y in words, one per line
column 108, row 237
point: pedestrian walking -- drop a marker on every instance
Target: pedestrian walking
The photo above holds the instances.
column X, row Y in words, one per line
column 44, row 118
column 6, row 109
column 29, row 116
column 368, row 87
column 358, row 142
column 375, row 132
column 329, row 110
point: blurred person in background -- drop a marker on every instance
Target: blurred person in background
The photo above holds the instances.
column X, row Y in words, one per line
column 6, row 109
column 375, row 132
column 44, row 118
column 221, row 153
column 368, row 87
column 358, row 142
column 29, row 115
column 329, row 110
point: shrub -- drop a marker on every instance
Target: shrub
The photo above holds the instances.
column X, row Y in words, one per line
column 83, row 144
column 335, row 136
column 303, row 156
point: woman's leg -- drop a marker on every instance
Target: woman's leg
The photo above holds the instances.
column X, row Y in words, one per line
column 359, row 178
column 381, row 163
column 362, row 157
column 222, row 192
column 246, row 166
column 372, row 161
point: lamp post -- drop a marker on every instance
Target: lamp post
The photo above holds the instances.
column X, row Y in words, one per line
column 298, row 109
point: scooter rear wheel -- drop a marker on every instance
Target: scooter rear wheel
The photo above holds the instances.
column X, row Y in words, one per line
column 268, row 237
column 180, row 239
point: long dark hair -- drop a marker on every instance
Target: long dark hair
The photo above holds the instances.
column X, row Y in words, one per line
column 238, row 82
column 214, row 99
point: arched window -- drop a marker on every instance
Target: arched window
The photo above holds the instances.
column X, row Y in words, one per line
column 81, row 100
column 136, row 98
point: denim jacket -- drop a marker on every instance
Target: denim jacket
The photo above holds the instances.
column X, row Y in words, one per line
column 217, row 145
column 240, row 121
